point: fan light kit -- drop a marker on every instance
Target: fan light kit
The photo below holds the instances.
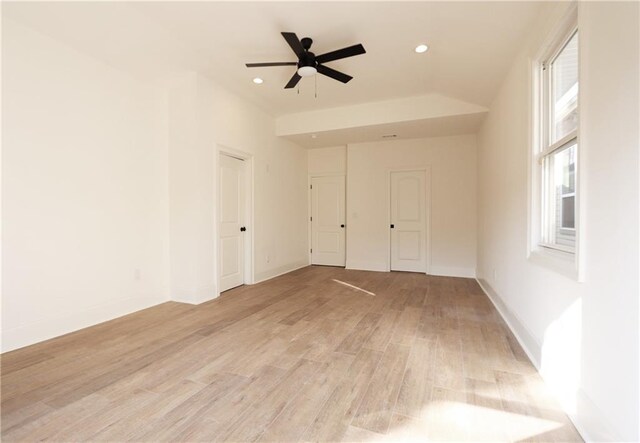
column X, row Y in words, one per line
column 308, row 63
column 421, row 48
column 307, row 71
column 258, row 81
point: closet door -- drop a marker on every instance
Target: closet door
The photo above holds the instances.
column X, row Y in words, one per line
column 408, row 221
column 328, row 221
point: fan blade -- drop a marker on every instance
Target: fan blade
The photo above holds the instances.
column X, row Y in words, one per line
column 341, row 53
column 293, row 82
column 294, row 42
column 336, row 75
column 261, row 65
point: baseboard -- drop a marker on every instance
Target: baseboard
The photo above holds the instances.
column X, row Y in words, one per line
column 194, row 296
column 589, row 422
column 56, row 326
column 281, row 270
column 376, row 266
column 531, row 347
column 444, row 271
column 361, row 265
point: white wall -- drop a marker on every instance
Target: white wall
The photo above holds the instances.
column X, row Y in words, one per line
column 452, row 161
column 84, row 191
column 109, row 188
column 191, row 188
column 582, row 336
column 204, row 117
column 280, row 186
column 331, row 160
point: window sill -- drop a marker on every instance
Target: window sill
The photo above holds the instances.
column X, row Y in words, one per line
column 563, row 263
column 561, row 251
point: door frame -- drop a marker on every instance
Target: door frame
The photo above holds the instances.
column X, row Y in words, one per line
column 427, row 207
column 310, row 208
column 249, row 277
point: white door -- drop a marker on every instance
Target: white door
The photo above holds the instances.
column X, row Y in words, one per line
column 232, row 227
column 327, row 221
column 408, row 221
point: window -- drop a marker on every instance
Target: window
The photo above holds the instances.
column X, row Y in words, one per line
column 558, row 150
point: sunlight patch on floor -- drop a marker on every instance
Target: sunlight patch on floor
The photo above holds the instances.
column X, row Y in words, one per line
column 456, row 421
column 352, row 286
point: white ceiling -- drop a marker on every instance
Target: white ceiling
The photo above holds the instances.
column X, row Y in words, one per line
column 471, row 44
column 431, row 115
column 428, row 127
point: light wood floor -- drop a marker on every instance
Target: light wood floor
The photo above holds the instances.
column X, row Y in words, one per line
column 302, row 357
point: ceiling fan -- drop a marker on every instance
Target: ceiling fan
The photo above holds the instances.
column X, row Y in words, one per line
column 309, row 64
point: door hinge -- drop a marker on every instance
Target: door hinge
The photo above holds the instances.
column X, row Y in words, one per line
column 310, row 218
column 310, row 250
column 310, row 186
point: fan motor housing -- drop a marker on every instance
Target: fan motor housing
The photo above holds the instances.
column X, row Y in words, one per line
column 307, row 59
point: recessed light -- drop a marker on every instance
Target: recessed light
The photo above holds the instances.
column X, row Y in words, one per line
column 314, row 136
column 258, row 81
column 421, row 48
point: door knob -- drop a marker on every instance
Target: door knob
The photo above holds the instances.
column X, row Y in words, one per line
column 242, row 229
column 392, row 226
column 342, row 226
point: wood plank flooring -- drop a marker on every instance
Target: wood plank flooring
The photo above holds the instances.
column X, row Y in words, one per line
column 302, row 357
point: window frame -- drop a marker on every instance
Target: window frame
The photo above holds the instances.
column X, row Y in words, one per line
column 560, row 258
column 546, row 227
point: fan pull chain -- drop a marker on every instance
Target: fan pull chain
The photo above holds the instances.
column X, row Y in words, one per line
column 316, row 80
